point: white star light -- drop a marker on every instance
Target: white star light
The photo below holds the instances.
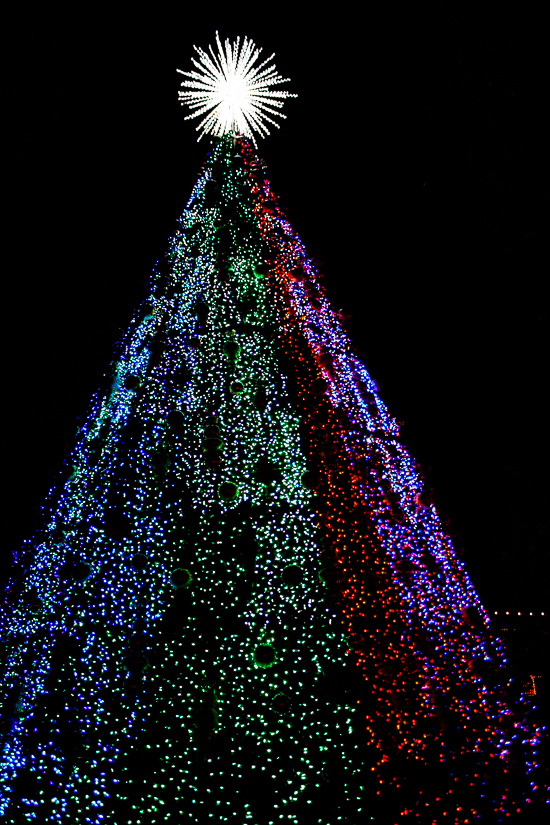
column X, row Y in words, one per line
column 232, row 92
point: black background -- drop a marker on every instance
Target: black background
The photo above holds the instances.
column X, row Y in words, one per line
column 413, row 165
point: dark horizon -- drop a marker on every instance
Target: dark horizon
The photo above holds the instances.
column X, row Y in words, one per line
column 429, row 221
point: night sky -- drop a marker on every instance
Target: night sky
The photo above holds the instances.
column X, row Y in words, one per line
column 414, row 165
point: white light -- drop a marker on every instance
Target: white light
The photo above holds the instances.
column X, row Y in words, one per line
column 232, row 92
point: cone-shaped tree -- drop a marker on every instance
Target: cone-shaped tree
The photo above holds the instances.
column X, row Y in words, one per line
column 243, row 606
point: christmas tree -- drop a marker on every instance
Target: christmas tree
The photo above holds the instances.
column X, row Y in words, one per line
column 243, row 606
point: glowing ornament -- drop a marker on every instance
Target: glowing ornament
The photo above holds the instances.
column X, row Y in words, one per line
column 176, row 420
column 139, row 561
column 148, row 310
column 293, row 574
column 201, row 308
column 211, row 444
column 205, row 724
column 80, row 571
column 136, row 662
column 182, row 376
column 232, row 349
column 32, row 600
column 212, row 431
column 260, row 399
column 180, row 578
column 132, row 382
column 326, row 360
column 297, row 275
column 281, row 703
column 232, row 91
column 117, row 525
column 228, row 491
column 161, row 462
column 266, row 472
column 310, row 480
column 265, row 655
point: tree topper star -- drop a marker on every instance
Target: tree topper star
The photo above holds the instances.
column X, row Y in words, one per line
column 233, row 92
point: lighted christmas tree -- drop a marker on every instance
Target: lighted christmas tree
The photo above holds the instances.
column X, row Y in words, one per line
column 243, row 606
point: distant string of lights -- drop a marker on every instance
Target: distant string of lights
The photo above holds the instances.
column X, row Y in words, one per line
column 508, row 613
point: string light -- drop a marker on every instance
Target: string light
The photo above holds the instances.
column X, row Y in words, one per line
column 242, row 605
